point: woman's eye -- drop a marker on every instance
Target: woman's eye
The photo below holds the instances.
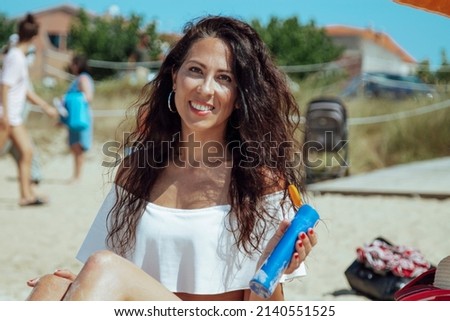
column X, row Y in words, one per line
column 195, row 70
column 225, row 78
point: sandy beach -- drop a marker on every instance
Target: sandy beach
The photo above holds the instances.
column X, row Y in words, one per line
column 38, row 240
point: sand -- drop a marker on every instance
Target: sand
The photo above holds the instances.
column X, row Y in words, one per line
column 39, row 240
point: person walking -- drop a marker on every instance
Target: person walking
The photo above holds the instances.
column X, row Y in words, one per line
column 14, row 91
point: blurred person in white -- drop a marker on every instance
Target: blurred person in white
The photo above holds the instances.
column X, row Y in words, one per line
column 9, row 147
column 14, row 91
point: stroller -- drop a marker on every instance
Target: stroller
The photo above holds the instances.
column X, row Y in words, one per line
column 325, row 151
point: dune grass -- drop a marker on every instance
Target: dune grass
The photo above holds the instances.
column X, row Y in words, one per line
column 397, row 141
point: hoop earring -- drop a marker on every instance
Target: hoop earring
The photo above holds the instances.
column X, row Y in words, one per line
column 168, row 103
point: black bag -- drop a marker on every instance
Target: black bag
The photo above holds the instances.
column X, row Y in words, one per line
column 375, row 286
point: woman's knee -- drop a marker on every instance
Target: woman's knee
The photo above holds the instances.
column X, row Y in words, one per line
column 100, row 278
column 102, row 260
column 26, row 155
column 77, row 149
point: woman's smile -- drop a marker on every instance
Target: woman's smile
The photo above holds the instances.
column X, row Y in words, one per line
column 202, row 107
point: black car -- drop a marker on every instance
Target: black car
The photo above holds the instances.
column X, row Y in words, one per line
column 386, row 85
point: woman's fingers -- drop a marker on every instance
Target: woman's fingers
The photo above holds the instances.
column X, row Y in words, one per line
column 32, row 283
column 66, row 274
column 303, row 246
column 312, row 236
column 297, row 258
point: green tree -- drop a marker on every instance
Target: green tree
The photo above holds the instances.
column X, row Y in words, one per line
column 292, row 43
column 107, row 38
column 443, row 73
column 7, row 27
column 424, row 72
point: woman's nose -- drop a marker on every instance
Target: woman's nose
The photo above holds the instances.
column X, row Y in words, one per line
column 207, row 86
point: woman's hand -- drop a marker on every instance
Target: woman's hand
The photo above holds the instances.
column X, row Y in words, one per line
column 4, row 124
column 50, row 287
column 65, row 274
column 4, row 130
column 51, row 111
column 303, row 246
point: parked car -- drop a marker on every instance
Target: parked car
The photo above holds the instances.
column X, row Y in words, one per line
column 387, row 85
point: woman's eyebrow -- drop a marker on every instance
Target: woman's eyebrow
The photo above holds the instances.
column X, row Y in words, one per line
column 205, row 67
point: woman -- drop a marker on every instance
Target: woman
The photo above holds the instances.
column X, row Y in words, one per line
column 194, row 205
column 14, row 90
column 80, row 140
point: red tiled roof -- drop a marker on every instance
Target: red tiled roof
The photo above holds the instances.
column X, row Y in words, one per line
column 381, row 39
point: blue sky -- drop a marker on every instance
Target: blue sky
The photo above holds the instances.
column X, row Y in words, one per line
column 420, row 33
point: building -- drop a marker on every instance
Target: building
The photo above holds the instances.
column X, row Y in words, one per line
column 369, row 51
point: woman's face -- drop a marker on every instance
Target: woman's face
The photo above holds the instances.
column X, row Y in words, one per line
column 205, row 88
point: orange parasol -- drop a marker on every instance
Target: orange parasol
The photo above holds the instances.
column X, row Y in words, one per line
column 437, row 6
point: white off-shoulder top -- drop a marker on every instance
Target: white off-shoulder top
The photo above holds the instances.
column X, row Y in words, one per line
column 187, row 250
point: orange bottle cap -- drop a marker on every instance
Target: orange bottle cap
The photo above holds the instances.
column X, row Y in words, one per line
column 295, row 195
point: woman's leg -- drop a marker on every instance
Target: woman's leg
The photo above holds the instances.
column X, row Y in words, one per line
column 78, row 155
column 109, row 277
column 36, row 171
column 22, row 142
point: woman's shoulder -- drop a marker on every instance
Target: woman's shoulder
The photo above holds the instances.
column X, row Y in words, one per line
column 85, row 74
column 85, row 77
column 14, row 55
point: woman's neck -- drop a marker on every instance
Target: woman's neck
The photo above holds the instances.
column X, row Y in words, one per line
column 197, row 148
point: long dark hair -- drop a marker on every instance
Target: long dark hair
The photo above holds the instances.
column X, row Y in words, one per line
column 268, row 157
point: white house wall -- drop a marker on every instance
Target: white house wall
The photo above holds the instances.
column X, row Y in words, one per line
column 378, row 59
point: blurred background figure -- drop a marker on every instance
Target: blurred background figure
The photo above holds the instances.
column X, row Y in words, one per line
column 9, row 147
column 14, row 91
column 80, row 140
column 138, row 57
column 142, row 51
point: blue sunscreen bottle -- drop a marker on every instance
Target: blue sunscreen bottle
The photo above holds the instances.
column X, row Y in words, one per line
column 267, row 277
